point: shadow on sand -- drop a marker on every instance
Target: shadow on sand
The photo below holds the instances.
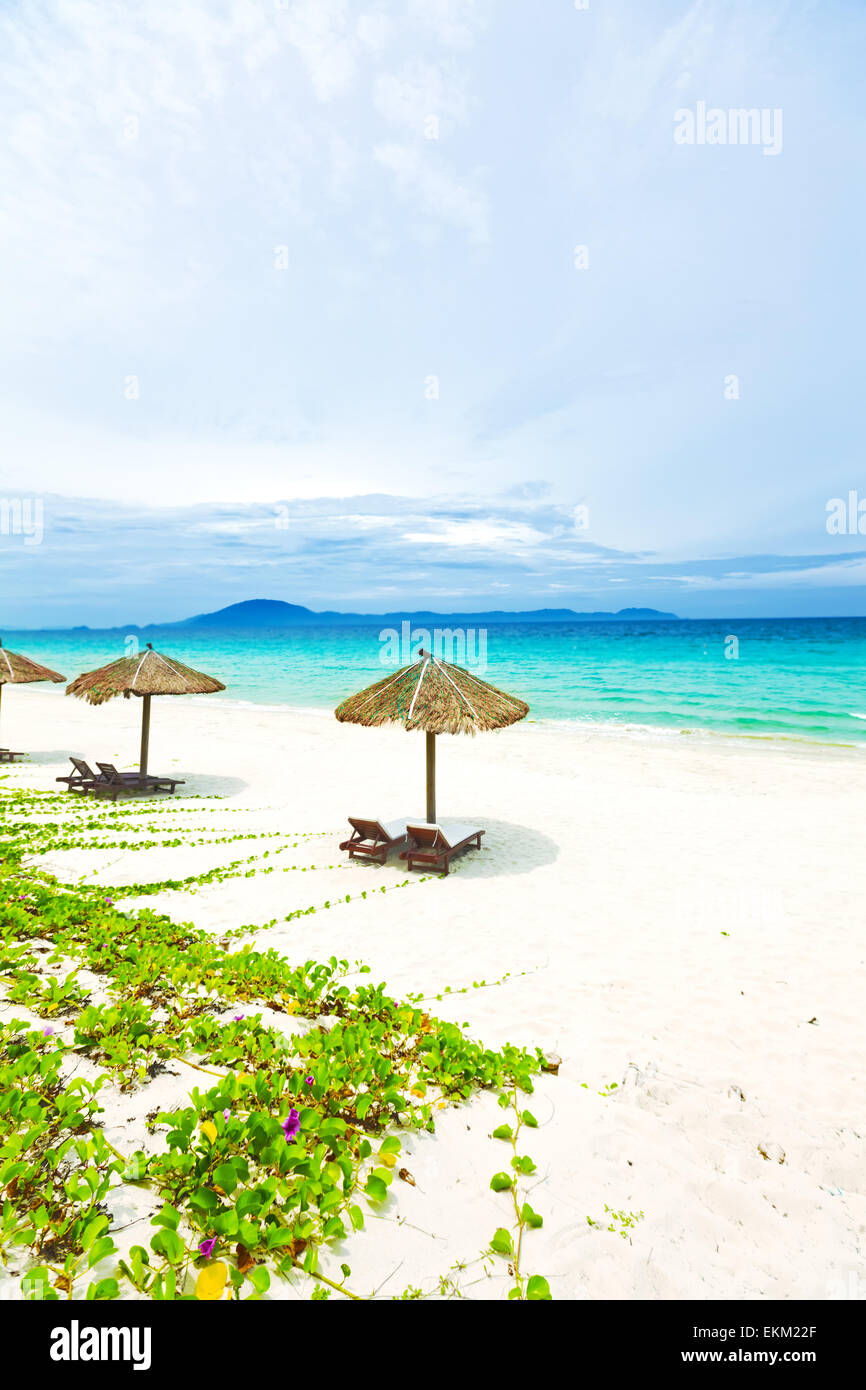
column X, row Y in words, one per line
column 207, row 784
column 43, row 757
column 506, row 848
column 194, row 783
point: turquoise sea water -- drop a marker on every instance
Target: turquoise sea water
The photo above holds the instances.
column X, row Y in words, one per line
column 799, row 678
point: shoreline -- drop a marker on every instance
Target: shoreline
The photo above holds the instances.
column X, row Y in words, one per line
column 632, row 731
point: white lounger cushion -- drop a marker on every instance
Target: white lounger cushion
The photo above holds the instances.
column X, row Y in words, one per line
column 394, row 829
column 453, row 831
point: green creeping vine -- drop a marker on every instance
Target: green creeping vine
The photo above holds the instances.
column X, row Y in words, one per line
column 273, row 1158
column 532, row 1288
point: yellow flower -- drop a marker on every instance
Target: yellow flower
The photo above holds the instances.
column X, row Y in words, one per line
column 211, row 1282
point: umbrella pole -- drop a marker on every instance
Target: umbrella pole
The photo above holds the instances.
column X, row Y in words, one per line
column 145, row 734
column 431, row 779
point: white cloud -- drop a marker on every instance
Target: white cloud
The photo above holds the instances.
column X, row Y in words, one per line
column 843, row 574
column 374, row 31
column 419, row 90
column 421, row 178
column 318, row 29
column 452, row 22
column 486, row 535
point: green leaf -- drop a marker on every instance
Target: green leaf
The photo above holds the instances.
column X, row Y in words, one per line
column 329, row 1128
column 531, row 1217
column 226, row 1224
column 204, row 1199
column 136, row 1168
column 99, row 1250
column 503, row 1132
column 36, row 1285
column 276, row 1238
column 169, row 1244
column 529, row 1119
column 92, row 1230
column 248, row 1234
column 538, row 1289
column 500, row 1182
column 501, row 1242
column 105, row 1289
column 375, row 1189
column 225, row 1177
column 260, row 1279
column 169, row 1217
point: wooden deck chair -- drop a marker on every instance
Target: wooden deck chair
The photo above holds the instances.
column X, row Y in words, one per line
column 434, row 846
column 81, row 778
column 372, row 839
column 116, row 782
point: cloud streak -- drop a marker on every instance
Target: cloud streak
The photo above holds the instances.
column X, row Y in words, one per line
column 361, row 554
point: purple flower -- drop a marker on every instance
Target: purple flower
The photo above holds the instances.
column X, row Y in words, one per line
column 226, row 1114
column 207, row 1246
column 239, row 1018
column 48, row 1032
column 291, row 1124
column 309, row 1080
column 109, row 902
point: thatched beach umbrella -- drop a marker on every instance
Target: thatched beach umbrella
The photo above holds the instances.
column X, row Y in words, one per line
column 437, row 697
column 144, row 675
column 20, row 670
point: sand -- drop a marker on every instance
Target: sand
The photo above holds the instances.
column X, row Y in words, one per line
column 681, row 915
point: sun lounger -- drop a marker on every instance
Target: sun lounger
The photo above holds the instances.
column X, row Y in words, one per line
column 7, row 755
column 81, row 777
column 372, row 839
column 113, row 782
column 84, row 779
column 434, row 846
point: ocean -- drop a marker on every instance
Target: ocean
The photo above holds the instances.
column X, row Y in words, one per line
column 791, row 678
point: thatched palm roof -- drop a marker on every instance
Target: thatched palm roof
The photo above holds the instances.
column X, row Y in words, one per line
column 149, row 673
column 434, row 696
column 19, row 670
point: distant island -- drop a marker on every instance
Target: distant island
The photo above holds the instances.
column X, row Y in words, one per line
column 271, row 613
column 261, row 613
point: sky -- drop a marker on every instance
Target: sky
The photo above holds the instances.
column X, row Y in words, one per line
column 404, row 304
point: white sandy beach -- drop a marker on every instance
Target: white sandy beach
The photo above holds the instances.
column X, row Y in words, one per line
column 680, row 915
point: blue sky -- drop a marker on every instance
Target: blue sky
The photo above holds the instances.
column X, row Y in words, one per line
column 291, row 307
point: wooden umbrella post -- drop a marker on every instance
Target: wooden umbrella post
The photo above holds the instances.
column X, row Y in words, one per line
column 431, row 779
column 145, row 735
